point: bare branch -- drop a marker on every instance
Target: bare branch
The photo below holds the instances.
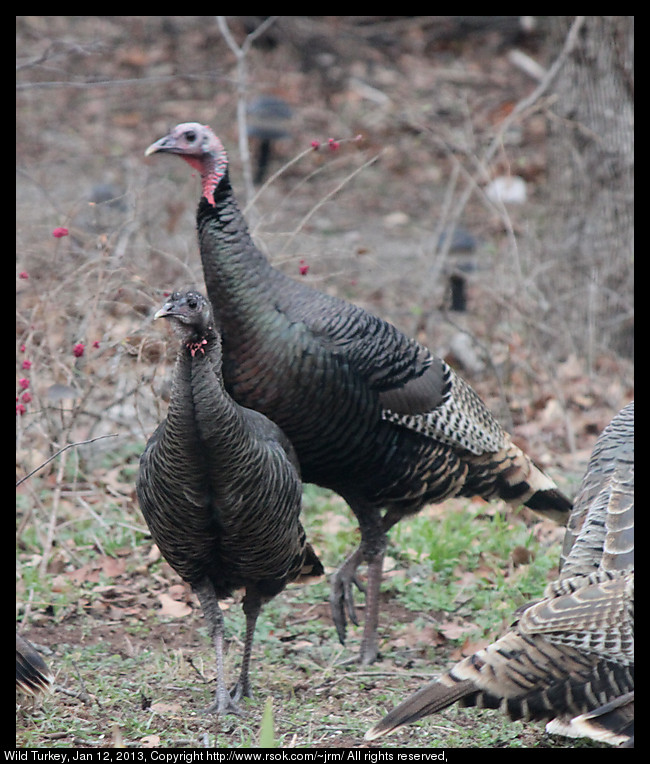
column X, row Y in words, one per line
column 242, row 85
column 329, row 195
column 526, row 103
column 60, row 451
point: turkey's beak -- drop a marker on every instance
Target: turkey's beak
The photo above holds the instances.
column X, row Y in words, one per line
column 166, row 310
column 164, row 144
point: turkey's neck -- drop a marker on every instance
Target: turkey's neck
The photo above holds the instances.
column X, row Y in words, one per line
column 202, row 354
column 218, row 418
column 200, row 360
column 237, row 274
column 198, row 356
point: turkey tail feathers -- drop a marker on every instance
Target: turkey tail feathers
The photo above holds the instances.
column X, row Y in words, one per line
column 32, row 673
column 431, row 698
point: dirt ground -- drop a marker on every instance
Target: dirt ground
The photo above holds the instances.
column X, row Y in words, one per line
column 364, row 219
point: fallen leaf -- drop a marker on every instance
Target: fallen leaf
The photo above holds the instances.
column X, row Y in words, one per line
column 468, row 648
column 166, row 708
column 412, row 634
column 301, row 644
column 455, row 630
column 548, row 532
column 112, row 567
column 88, row 572
column 179, row 592
column 91, row 571
column 173, row 608
column 59, row 584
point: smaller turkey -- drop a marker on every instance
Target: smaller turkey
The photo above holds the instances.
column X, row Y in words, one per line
column 32, row 673
column 569, row 658
column 220, row 489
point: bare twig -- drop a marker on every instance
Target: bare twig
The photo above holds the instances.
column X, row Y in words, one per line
column 198, row 671
column 242, row 85
column 51, row 526
column 56, row 50
column 157, row 79
column 60, row 451
column 329, row 195
column 524, row 106
column 83, row 693
column 545, row 83
column 275, row 176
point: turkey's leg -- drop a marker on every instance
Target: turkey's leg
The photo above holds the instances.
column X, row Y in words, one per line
column 369, row 650
column 371, row 550
column 251, row 606
column 223, row 703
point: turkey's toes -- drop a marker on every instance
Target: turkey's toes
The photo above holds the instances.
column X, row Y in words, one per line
column 360, row 586
column 241, row 690
column 223, row 704
column 349, row 598
column 337, row 608
column 365, row 657
column 369, row 654
column 342, row 601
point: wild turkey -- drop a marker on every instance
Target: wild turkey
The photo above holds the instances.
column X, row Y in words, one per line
column 372, row 414
column 219, row 487
column 32, row 673
column 570, row 657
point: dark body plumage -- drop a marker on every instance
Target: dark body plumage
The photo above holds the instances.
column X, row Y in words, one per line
column 32, row 673
column 220, row 489
column 570, row 657
column 372, row 414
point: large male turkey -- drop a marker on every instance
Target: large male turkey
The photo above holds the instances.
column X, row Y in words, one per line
column 372, row 414
column 220, row 489
column 570, row 657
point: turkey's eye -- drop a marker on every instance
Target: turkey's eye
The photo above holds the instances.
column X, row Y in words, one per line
column 193, row 304
column 190, row 135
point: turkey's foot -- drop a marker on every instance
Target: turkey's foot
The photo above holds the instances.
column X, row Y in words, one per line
column 341, row 594
column 241, row 690
column 341, row 597
column 223, row 704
